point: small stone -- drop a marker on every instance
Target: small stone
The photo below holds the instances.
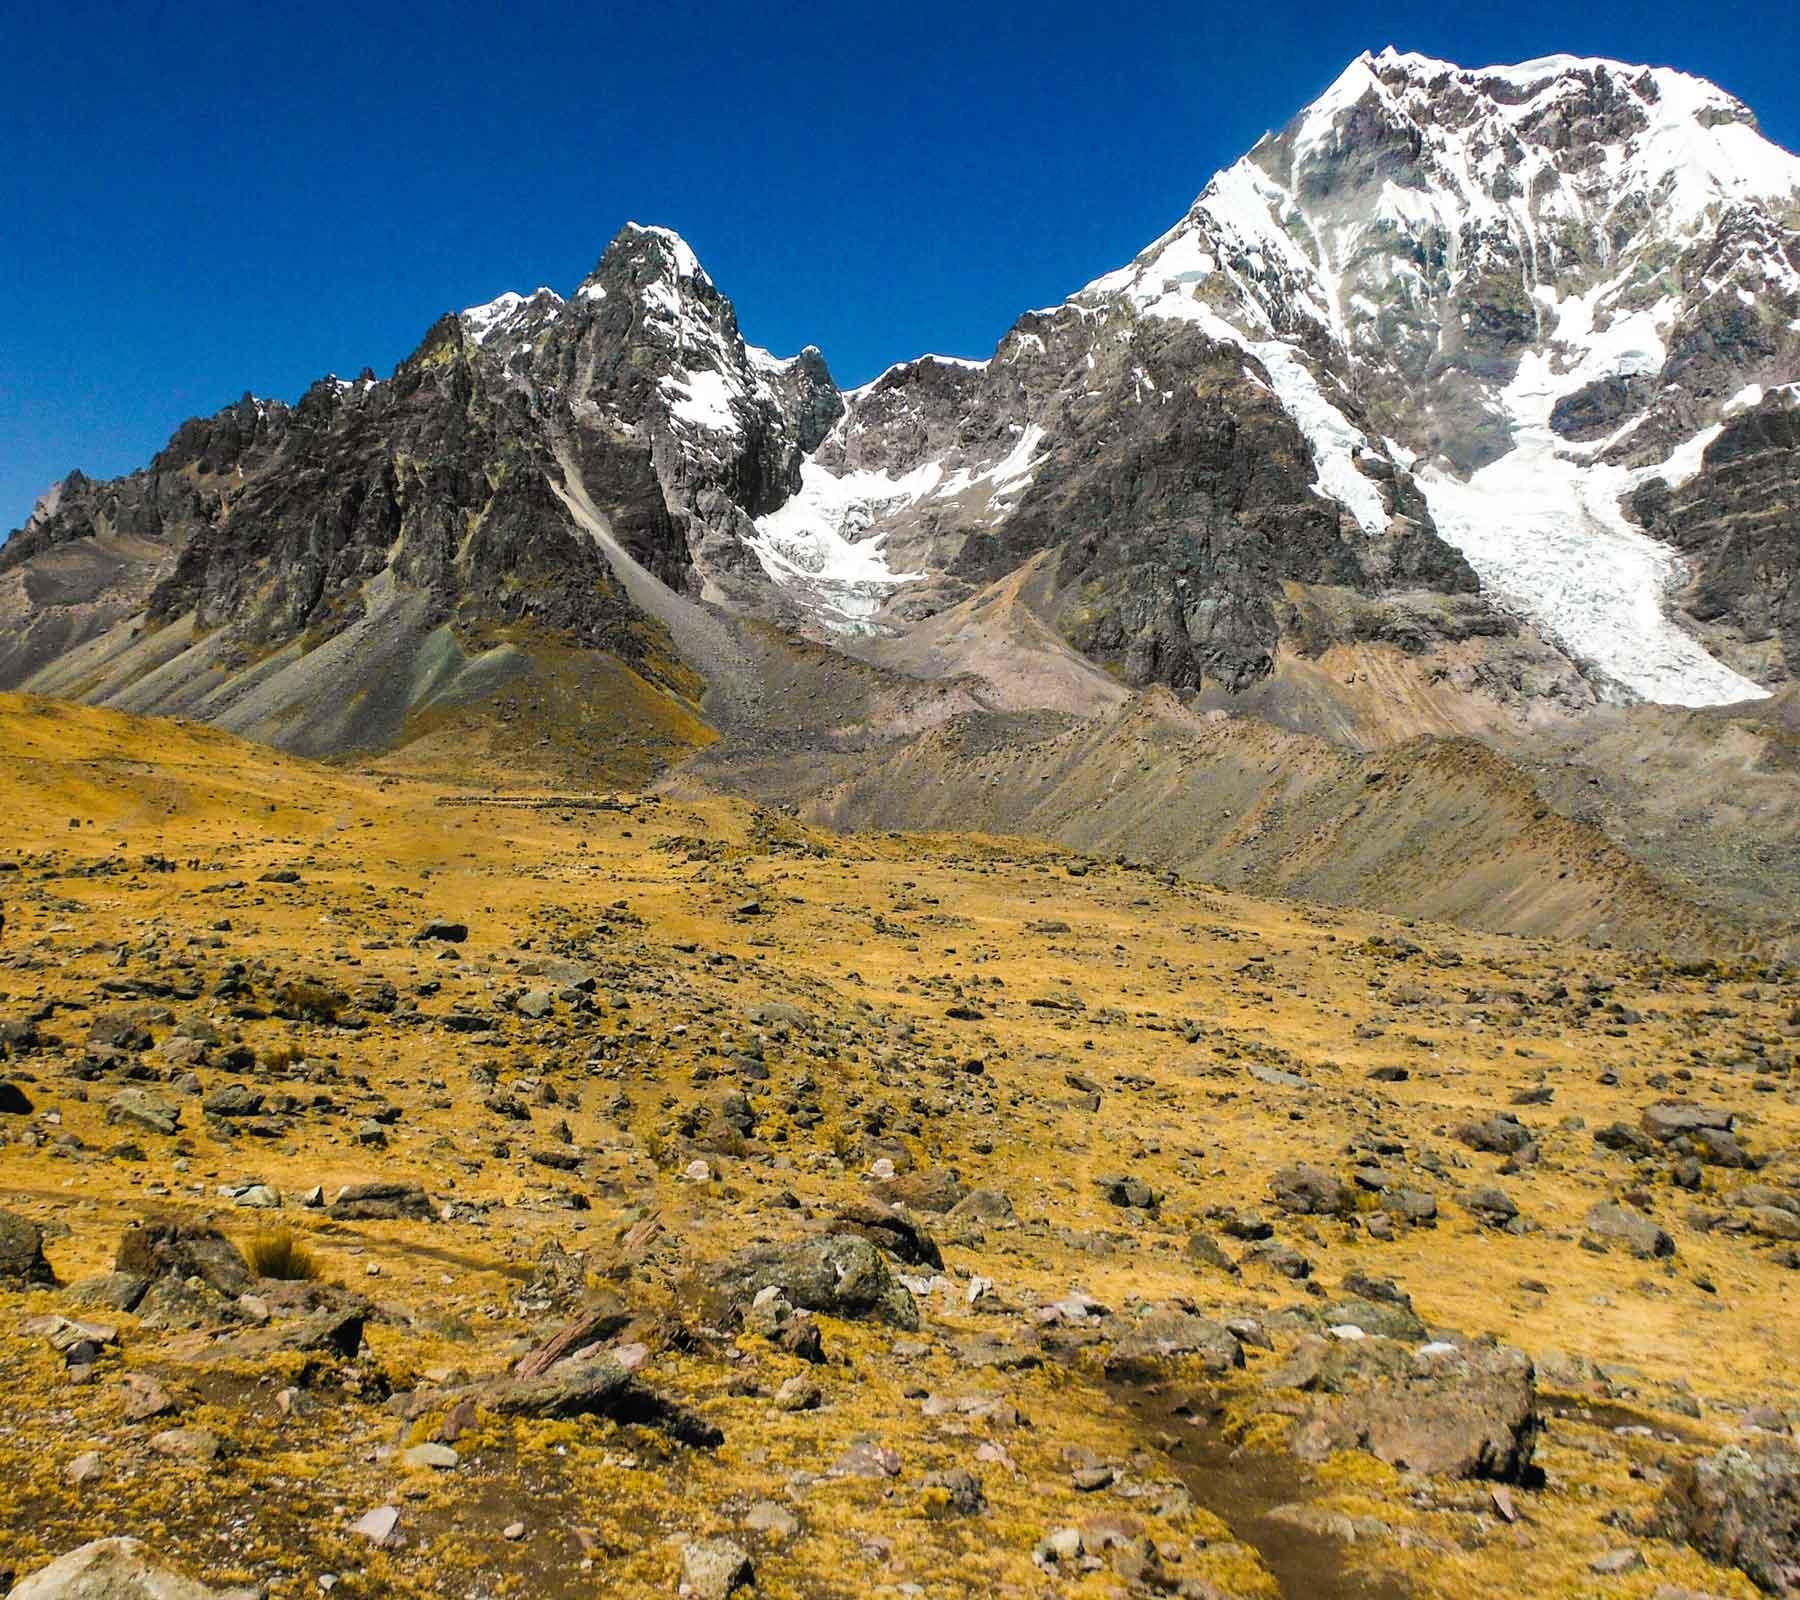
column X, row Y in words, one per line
column 85, row 1468
column 776, row 1521
column 1616, row 1562
column 430, row 1457
column 513, row 1532
column 377, row 1526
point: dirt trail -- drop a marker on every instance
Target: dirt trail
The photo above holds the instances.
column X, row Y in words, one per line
column 1245, row 1489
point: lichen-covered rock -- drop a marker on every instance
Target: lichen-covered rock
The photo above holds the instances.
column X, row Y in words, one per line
column 1611, row 1223
column 1168, row 1336
column 1306, row 1191
column 382, row 1201
column 842, row 1274
column 1741, row 1508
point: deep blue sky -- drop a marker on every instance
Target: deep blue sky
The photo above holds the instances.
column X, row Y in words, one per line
column 199, row 199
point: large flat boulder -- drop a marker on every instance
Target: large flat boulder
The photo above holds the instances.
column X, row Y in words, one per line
column 1461, row 1411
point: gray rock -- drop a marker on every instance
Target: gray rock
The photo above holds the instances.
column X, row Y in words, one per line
column 890, row 1228
column 1121, row 1189
column 598, row 1386
column 1278, row 1256
column 1616, row 1563
column 1461, row 1411
column 988, row 1206
column 1775, row 1222
column 429, row 1457
column 1613, row 1224
column 1502, row 1134
column 1491, row 1205
column 110, row 1291
column 166, row 1247
column 1671, row 1119
column 1167, row 1336
column 1205, row 1249
column 139, row 1108
column 232, row 1100
column 1306, row 1191
column 387, row 1201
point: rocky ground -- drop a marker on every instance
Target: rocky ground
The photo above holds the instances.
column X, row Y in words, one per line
column 417, row 1191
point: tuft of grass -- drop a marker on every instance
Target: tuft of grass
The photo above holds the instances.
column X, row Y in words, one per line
column 308, row 1000
column 280, row 1253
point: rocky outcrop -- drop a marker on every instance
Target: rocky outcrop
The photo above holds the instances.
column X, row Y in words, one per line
column 1737, row 521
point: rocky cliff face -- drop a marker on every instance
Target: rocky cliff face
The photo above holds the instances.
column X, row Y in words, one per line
column 1737, row 521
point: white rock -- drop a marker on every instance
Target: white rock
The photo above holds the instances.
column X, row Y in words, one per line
column 377, row 1526
column 115, row 1569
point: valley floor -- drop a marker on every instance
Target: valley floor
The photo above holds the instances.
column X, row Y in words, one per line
column 1217, row 1215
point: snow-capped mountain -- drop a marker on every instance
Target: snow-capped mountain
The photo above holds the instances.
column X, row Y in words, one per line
column 1535, row 289
column 1492, row 370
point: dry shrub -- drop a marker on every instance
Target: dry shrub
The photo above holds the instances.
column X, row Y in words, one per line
column 280, row 1253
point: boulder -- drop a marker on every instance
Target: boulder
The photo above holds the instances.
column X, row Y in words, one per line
column 1672, row 1119
column 139, row 1108
column 1306, row 1191
column 232, row 1100
column 115, row 1569
column 22, row 1262
column 1613, row 1224
column 987, row 1206
column 712, row 1568
column 1740, row 1507
column 164, row 1247
column 842, row 1274
column 936, row 1189
column 1501, row 1135
column 598, row 1386
column 1122, row 1189
column 1491, row 1205
column 890, row 1228
column 1463, row 1411
column 1143, row 1350
column 384, row 1201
